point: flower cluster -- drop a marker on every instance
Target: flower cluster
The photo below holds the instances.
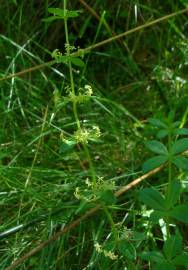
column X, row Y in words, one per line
column 84, row 94
column 83, row 135
column 106, row 253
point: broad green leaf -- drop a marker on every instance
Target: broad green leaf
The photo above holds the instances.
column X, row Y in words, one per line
column 181, row 131
column 77, row 61
column 180, row 146
column 152, row 198
column 181, row 260
column 154, row 256
column 157, row 123
column 157, row 147
column 181, row 162
column 174, row 195
column 180, row 213
column 153, row 163
column 162, row 133
column 172, row 246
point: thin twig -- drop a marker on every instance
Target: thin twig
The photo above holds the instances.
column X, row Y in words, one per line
column 94, row 13
column 88, row 49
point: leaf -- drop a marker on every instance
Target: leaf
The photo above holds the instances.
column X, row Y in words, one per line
column 66, row 147
column 153, row 163
column 157, row 123
column 172, row 246
column 180, row 146
column 164, row 266
column 77, row 61
column 107, row 196
column 127, row 250
column 50, row 19
column 57, row 11
column 176, row 124
column 181, row 260
column 156, row 215
column 154, row 256
column 181, row 162
column 157, row 147
column 152, row 198
column 175, row 192
column 180, row 213
column 64, row 14
column 181, row 131
column 162, row 133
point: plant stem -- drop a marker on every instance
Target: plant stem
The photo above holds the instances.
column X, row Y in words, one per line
column 168, row 191
column 74, row 102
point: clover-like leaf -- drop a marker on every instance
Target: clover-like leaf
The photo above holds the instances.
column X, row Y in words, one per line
column 174, row 194
column 172, row 246
column 157, row 147
column 181, row 131
column 153, row 163
column 180, row 213
column 181, row 162
column 180, row 146
column 152, row 198
column 157, row 123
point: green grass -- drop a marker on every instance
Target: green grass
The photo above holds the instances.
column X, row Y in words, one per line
column 138, row 76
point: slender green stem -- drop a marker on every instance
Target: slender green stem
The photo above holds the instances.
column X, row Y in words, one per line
column 70, row 66
column 74, row 102
column 168, row 191
column 115, row 233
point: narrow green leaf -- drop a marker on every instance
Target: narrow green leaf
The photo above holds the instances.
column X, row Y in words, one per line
column 176, row 124
column 181, row 260
column 172, row 246
column 156, row 215
column 157, row 147
column 107, row 196
column 127, row 250
column 181, row 131
column 152, row 198
column 180, row 213
column 154, row 256
column 164, row 266
column 162, row 133
column 153, row 163
column 174, row 195
column 180, row 146
column 57, row 11
column 61, row 14
column 77, row 61
column 66, row 147
column 50, row 19
column 157, row 123
column 181, row 162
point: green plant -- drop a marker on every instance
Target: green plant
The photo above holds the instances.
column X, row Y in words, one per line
column 167, row 207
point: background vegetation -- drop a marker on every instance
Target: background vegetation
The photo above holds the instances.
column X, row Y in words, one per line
column 50, row 174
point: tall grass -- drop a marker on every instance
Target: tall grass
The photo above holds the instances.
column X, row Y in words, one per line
column 54, row 166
